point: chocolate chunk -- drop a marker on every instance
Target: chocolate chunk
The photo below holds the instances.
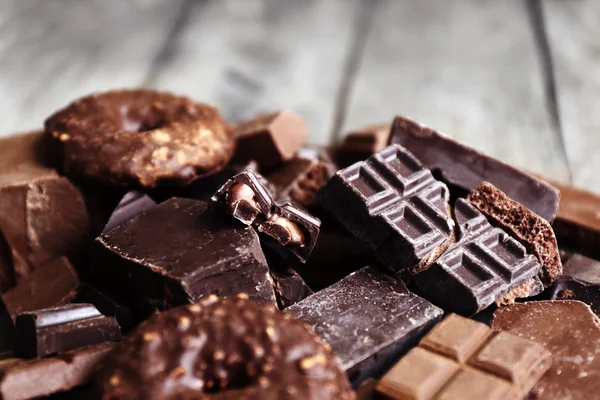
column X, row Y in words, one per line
column 270, row 139
column 25, row 379
column 464, row 168
column 464, row 359
column 362, row 144
column 178, row 252
column 534, row 232
column 290, row 288
column 568, row 329
column 249, row 198
column 56, row 330
column 223, row 348
column 480, row 268
column 52, row 284
column 368, row 319
column 366, row 390
column 106, row 305
column 131, row 204
column 580, row 281
column 393, row 205
column 42, row 215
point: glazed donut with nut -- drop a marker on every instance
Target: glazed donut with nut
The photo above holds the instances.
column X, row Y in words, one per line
column 139, row 137
column 218, row 348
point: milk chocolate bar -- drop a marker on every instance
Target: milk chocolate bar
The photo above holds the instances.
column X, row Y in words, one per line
column 393, row 205
column 482, row 267
column 580, row 281
column 463, row 168
column 464, row 359
column 56, row 330
column 369, row 319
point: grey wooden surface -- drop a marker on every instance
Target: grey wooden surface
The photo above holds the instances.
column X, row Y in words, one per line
column 519, row 79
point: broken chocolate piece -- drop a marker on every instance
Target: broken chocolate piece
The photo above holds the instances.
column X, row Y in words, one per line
column 198, row 252
column 480, row 268
column 464, row 359
column 571, row 332
column 290, row 288
column 464, row 168
column 56, row 330
column 534, row 232
column 384, row 319
column 131, row 204
column 361, row 144
column 106, row 305
column 392, row 204
column 52, row 284
column 270, row 139
column 580, row 281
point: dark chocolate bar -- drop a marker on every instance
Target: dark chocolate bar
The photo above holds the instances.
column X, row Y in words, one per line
column 56, row 330
column 464, row 168
column 290, row 288
column 482, row 267
column 393, row 205
column 131, row 204
column 368, row 319
column 464, row 359
column 176, row 253
column 580, row 281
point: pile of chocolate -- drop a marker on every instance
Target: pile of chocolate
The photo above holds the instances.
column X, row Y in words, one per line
column 150, row 249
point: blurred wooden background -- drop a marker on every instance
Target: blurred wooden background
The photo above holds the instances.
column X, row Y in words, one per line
column 519, row 79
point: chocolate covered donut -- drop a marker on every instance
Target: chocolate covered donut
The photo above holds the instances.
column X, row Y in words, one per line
column 138, row 137
column 223, row 349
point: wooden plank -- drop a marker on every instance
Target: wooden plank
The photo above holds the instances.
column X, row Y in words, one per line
column 574, row 33
column 258, row 55
column 53, row 51
column 466, row 67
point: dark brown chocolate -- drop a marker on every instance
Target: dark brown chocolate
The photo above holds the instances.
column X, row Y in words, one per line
column 223, row 348
column 361, row 144
column 131, row 204
column 368, row 319
column 138, row 137
column 464, row 168
column 55, row 330
column 290, row 288
column 580, row 281
column 106, row 305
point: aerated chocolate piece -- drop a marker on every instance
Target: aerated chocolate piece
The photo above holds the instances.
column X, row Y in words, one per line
column 290, row 288
column 533, row 231
column 270, row 139
column 25, row 379
column 485, row 265
column 368, row 319
column 52, row 284
column 249, row 198
column 42, row 215
column 223, row 349
column 131, row 204
column 392, row 204
column 178, row 252
column 568, row 329
column 464, row 168
column 56, row 330
column 580, row 281
column 362, row 144
column 464, row 359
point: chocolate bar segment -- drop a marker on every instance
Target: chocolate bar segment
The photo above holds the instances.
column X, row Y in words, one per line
column 480, row 268
column 464, row 168
column 580, row 281
column 131, row 204
column 361, row 144
column 369, row 319
column 55, row 330
column 464, row 359
column 392, row 203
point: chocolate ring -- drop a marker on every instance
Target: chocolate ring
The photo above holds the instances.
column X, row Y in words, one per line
column 139, row 137
column 223, row 349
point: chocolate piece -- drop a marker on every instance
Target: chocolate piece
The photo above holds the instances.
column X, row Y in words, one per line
column 56, row 330
column 290, row 288
column 270, row 139
column 106, row 305
column 223, row 348
column 249, row 198
column 394, row 206
column 366, row 390
column 568, row 329
column 368, row 319
column 580, row 281
column 362, row 144
column 534, row 232
column 195, row 253
column 42, row 215
column 52, row 284
column 25, row 379
column 131, row 204
column 464, row 359
column 464, row 168
column 482, row 267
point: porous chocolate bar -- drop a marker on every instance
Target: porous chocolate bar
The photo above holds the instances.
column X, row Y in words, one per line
column 393, row 205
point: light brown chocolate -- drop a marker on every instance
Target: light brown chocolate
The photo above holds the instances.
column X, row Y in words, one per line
column 360, row 144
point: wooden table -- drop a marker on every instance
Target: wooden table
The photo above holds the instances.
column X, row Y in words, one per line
column 519, row 79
